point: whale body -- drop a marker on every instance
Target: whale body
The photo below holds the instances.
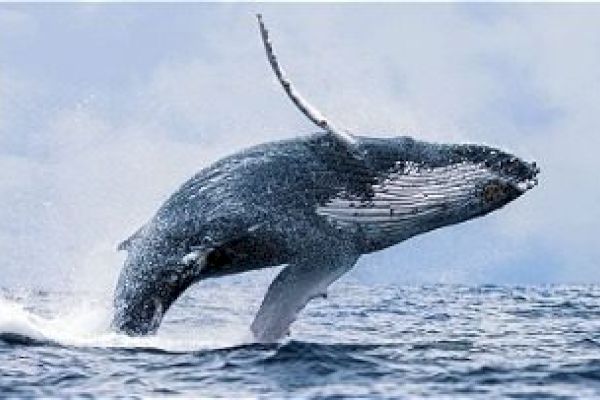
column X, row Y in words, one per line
column 315, row 204
column 311, row 205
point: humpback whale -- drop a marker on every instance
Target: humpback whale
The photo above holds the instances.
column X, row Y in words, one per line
column 314, row 204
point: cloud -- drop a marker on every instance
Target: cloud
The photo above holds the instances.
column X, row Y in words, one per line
column 16, row 23
column 87, row 163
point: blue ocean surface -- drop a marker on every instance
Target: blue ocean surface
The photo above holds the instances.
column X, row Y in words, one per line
column 363, row 341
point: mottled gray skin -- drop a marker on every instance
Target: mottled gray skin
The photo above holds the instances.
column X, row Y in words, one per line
column 258, row 208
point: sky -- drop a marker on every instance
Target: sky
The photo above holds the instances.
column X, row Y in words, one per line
column 106, row 109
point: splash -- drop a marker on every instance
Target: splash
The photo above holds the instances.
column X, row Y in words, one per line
column 16, row 322
column 87, row 325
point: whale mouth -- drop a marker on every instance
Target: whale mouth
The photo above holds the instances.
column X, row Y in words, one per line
column 530, row 180
column 526, row 185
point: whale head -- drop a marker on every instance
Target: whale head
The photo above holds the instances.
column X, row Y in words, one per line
column 445, row 184
column 420, row 186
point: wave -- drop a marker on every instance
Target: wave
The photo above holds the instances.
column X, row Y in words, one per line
column 87, row 325
column 17, row 325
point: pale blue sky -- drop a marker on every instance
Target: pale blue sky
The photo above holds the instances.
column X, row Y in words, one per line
column 106, row 109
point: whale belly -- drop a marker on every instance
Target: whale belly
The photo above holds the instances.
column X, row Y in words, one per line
column 406, row 202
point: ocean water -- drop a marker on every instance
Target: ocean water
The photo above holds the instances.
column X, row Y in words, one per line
column 363, row 341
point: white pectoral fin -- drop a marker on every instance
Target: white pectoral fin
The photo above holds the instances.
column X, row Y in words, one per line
column 291, row 290
column 309, row 111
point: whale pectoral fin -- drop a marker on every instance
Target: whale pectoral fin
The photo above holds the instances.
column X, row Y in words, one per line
column 291, row 290
column 342, row 136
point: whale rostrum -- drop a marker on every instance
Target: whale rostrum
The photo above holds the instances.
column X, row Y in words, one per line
column 314, row 204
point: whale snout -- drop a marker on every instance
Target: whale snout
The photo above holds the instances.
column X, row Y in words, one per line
column 502, row 166
column 529, row 178
column 510, row 177
column 521, row 175
column 493, row 177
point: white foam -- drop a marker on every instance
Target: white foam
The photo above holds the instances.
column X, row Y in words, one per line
column 14, row 319
column 87, row 325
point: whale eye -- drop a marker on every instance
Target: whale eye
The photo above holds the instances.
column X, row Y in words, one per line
column 493, row 192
